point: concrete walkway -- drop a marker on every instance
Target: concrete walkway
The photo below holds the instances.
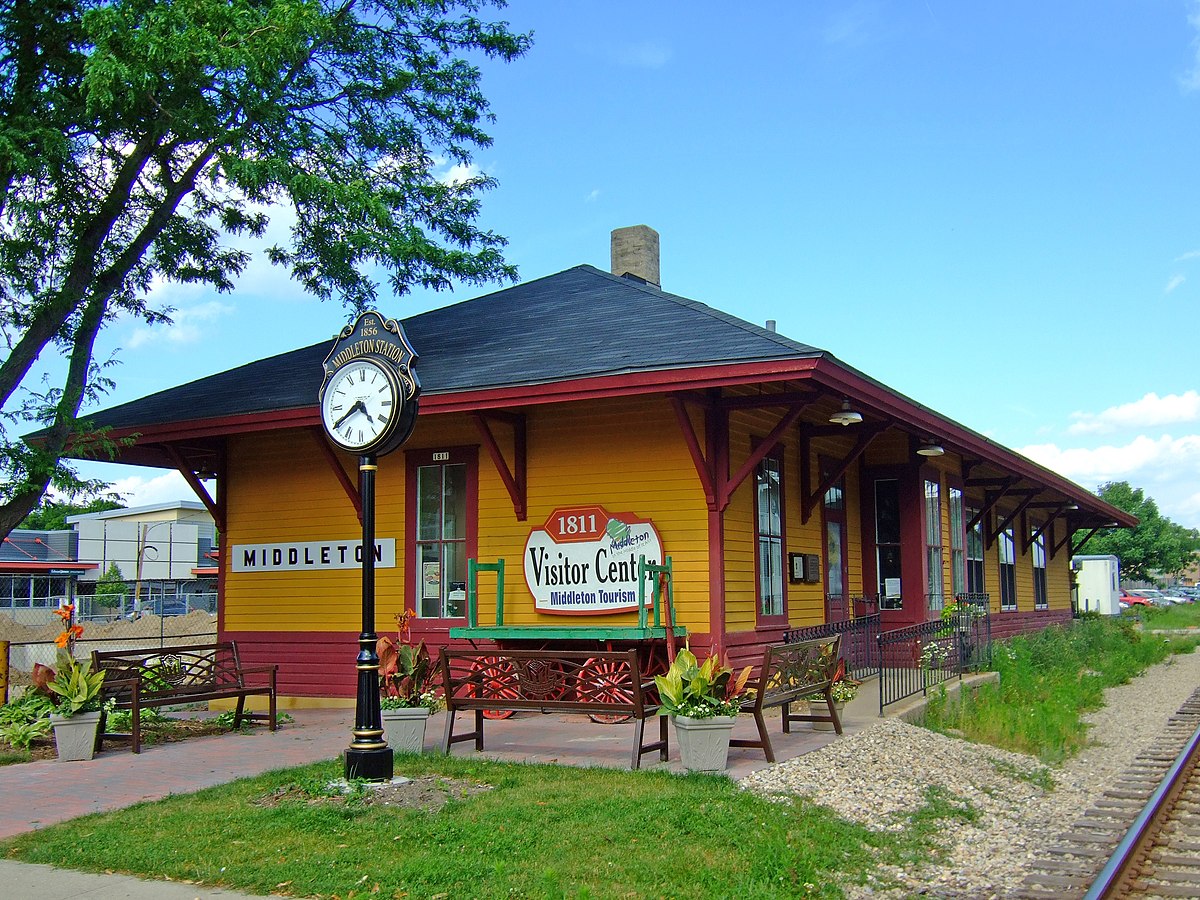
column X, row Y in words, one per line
column 33, row 795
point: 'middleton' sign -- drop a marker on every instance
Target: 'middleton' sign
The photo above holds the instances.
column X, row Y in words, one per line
column 309, row 555
column 584, row 560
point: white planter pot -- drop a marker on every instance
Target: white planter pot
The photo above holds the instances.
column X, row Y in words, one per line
column 821, row 708
column 704, row 743
column 75, row 736
column 404, row 729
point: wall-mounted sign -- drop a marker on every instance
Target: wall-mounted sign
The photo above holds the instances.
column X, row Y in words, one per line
column 315, row 555
column 584, row 560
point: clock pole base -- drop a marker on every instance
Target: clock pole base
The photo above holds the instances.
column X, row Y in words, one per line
column 369, row 765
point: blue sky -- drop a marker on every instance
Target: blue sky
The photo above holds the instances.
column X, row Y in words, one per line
column 991, row 207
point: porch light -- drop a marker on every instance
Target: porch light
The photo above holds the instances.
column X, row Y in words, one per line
column 930, row 448
column 846, row 415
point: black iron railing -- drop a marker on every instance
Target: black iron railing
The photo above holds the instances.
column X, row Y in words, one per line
column 860, row 637
column 915, row 658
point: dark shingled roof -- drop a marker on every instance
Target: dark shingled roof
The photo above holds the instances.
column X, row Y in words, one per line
column 579, row 323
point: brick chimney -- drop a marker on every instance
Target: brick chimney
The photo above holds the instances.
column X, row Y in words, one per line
column 635, row 252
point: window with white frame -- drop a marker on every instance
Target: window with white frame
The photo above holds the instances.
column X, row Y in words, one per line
column 441, row 540
column 935, row 583
column 1008, row 570
column 1039, row 572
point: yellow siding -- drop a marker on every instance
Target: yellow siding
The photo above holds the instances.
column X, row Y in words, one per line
column 626, row 456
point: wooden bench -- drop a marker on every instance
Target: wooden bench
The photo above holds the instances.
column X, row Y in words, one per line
column 790, row 673
column 597, row 683
column 167, row 676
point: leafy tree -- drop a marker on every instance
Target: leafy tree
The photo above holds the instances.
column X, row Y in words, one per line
column 137, row 137
column 1156, row 547
column 111, row 589
column 51, row 515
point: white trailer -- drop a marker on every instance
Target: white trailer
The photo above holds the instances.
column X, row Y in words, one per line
column 1097, row 584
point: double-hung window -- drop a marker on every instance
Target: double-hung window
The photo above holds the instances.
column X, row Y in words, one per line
column 441, row 530
column 974, row 553
column 958, row 558
column 1039, row 572
column 1008, row 570
column 935, row 583
column 768, row 518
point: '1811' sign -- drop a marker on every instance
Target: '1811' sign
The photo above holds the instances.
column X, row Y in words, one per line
column 584, row 560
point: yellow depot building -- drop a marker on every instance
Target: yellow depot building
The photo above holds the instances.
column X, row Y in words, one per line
column 574, row 426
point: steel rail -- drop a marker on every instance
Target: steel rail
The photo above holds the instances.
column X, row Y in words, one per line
column 1111, row 876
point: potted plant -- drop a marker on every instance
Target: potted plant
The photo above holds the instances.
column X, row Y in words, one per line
column 406, row 695
column 702, row 701
column 76, row 719
column 843, row 690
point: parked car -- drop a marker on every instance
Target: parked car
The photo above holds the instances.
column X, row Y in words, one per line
column 1129, row 600
column 1156, row 597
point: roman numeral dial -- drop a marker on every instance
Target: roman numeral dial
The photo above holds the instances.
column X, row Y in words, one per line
column 359, row 404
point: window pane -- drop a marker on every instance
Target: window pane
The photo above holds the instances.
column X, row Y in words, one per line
column 429, row 498
column 770, row 575
column 933, row 515
column 887, row 511
column 833, row 558
column 454, row 503
column 767, row 482
column 429, row 580
column 956, row 519
column 454, row 578
column 834, row 498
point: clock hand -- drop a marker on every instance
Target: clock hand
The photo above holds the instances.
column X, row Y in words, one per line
column 358, row 404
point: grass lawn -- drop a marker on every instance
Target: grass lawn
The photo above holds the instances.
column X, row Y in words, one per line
column 533, row 831
column 1183, row 615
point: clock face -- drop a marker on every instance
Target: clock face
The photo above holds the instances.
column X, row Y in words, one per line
column 360, row 404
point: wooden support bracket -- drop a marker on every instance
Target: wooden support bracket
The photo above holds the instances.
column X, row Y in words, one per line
column 214, row 510
column 1058, row 511
column 1091, row 534
column 769, row 443
column 335, row 465
column 514, row 478
column 1008, row 520
column 866, row 434
column 703, row 468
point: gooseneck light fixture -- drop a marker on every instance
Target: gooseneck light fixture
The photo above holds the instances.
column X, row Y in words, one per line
column 846, row 415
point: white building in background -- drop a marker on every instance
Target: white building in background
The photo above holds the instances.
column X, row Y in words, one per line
column 162, row 551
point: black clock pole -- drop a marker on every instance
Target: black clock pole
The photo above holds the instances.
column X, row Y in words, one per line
column 368, row 756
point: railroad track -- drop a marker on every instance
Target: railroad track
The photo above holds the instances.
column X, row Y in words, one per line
column 1142, row 838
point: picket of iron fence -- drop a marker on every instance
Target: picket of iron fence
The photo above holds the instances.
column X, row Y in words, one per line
column 859, row 642
column 918, row 657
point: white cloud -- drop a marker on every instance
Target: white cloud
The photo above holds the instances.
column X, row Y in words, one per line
column 1191, row 254
column 1176, row 281
column 143, row 490
column 1166, row 468
column 593, row 196
column 188, row 328
column 644, row 55
column 1150, row 411
column 458, row 173
column 1190, row 81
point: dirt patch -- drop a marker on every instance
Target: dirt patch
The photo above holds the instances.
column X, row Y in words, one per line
column 428, row 792
column 196, row 622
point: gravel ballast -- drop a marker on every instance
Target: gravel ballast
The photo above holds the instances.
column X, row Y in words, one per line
column 880, row 775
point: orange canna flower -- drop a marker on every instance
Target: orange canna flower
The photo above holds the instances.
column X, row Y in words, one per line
column 75, row 631
column 62, row 639
column 65, row 613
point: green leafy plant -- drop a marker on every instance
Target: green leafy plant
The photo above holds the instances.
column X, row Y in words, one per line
column 77, row 685
column 111, row 589
column 405, row 670
column 20, row 735
column 700, row 690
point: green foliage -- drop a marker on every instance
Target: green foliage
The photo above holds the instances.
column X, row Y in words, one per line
column 493, row 842
column 699, row 690
column 51, row 515
column 1047, row 681
column 21, row 734
column 1156, row 547
column 76, row 684
column 111, row 589
column 29, row 707
column 141, row 141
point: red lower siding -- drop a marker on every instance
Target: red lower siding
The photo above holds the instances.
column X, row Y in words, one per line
column 1009, row 624
column 311, row 663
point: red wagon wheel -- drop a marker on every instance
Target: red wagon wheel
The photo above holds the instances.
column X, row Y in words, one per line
column 607, row 682
column 497, row 680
